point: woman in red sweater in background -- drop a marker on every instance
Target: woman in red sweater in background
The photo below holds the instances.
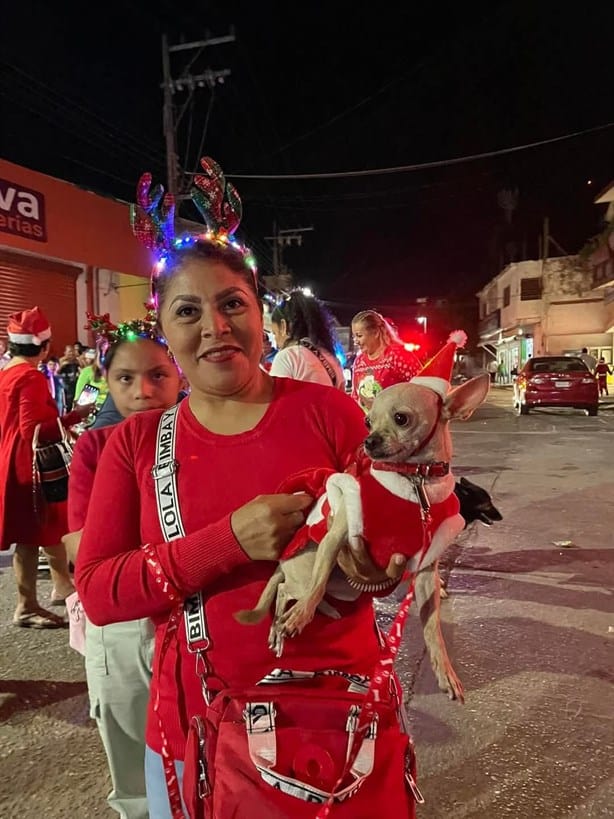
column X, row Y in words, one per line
column 382, row 359
column 239, row 434
column 25, row 404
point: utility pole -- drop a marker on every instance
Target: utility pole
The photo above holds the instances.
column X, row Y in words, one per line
column 281, row 280
column 284, row 238
column 189, row 82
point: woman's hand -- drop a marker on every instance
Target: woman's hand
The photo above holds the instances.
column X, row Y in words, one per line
column 71, row 541
column 84, row 410
column 266, row 524
column 355, row 563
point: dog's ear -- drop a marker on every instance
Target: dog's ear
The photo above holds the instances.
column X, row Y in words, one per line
column 462, row 401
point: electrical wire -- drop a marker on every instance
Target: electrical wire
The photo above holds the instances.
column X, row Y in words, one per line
column 61, row 99
column 421, row 166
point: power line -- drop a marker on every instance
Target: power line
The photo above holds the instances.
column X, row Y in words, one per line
column 140, row 145
column 421, row 166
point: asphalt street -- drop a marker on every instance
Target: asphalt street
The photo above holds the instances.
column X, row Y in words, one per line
column 529, row 626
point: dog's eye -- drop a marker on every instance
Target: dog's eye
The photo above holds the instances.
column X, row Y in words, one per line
column 401, row 419
column 368, row 422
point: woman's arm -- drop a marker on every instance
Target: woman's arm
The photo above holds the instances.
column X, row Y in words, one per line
column 36, row 406
column 120, row 579
column 116, row 579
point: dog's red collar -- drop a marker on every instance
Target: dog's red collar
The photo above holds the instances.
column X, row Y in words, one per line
column 435, row 469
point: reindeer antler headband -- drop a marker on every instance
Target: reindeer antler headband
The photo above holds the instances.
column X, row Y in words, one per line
column 153, row 216
column 108, row 334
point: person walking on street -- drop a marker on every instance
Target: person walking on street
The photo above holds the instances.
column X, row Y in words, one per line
column 602, row 370
column 25, row 404
column 492, row 370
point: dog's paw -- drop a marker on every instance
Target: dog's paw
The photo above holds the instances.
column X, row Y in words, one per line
column 448, row 681
column 297, row 617
column 276, row 640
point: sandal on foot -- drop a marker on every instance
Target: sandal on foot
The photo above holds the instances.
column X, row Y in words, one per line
column 57, row 599
column 39, row 620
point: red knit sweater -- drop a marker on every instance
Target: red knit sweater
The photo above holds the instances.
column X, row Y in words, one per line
column 372, row 375
column 306, row 425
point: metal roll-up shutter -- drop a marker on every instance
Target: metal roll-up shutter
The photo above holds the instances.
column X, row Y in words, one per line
column 26, row 281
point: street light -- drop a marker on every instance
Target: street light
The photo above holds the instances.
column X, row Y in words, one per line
column 423, row 321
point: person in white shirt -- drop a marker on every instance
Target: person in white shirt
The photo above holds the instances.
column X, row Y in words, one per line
column 306, row 340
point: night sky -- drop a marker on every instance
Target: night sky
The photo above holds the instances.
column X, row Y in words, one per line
column 318, row 87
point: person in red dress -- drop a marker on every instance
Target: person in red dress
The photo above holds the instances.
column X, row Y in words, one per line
column 239, row 434
column 25, row 403
column 382, row 360
column 602, row 370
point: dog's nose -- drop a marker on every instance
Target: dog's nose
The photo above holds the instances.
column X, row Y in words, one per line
column 373, row 442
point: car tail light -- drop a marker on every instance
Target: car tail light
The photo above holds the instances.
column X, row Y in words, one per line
column 537, row 380
column 587, row 380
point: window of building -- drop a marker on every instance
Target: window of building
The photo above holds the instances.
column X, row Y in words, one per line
column 530, row 289
column 506, row 296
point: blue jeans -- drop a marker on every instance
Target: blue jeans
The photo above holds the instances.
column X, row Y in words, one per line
column 155, row 785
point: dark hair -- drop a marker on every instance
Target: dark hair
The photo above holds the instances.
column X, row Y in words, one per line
column 109, row 354
column 307, row 317
column 27, row 350
column 54, row 358
column 201, row 250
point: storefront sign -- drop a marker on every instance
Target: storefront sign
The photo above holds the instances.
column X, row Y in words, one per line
column 22, row 211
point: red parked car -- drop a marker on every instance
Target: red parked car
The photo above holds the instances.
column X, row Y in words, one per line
column 556, row 381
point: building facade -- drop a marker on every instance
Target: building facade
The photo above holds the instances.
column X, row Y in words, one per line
column 545, row 307
column 67, row 250
column 601, row 255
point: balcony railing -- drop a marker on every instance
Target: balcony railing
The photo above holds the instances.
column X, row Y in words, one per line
column 490, row 323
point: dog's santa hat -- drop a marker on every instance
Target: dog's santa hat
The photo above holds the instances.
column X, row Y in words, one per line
column 29, row 327
column 436, row 373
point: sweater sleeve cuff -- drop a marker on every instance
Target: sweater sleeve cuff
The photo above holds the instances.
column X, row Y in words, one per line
column 70, row 419
column 193, row 562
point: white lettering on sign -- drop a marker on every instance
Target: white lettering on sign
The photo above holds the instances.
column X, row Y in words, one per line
column 22, row 211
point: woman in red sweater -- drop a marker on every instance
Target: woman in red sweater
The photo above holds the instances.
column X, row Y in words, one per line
column 25, row 404
column 382, row 360
column 238, row 435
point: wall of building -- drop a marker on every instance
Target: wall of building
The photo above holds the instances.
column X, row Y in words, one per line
column 67, row 223
column 133, row 293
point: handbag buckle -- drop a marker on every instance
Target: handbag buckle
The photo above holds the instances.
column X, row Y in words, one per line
column 164, row 470
column 413, row 787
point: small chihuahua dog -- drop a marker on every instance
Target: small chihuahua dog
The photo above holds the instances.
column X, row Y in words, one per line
column 399, row 499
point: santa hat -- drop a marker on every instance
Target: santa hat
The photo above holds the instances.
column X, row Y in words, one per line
column 29, row 327
column 436, row 374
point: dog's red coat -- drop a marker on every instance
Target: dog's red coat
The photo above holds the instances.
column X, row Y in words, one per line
column 392, row 525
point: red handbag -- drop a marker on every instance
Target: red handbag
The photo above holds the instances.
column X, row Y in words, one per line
column 279, row 753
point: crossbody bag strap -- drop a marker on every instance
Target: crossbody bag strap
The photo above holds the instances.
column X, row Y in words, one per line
column 305, row 342
column 164, row 473
column 169, row 513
